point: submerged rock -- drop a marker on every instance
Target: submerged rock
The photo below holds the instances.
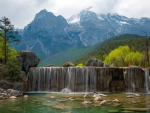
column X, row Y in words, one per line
column 103, row 103
column 86, row 102
column 72, row 98
column 130, row 96
column 61, row 107
column 137, row 95
column 116, row 100
column 53, row 97
column 98, row 98
column 12, row 97
column 25, row 96
column 86, row 95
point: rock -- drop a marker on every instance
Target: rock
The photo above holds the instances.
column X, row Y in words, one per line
column 25, row 96
column 61, row 107
column 11, row 92
column 95, row 95
column 102, row 95
column 18, row 86
column 22, row 75
column 49, row 65
column 13, row 97
column 133, row 102
column 116, row 100
column 98, row 98
column 28, row 59
column 96, row 63
column 86, row 102
column 68, row 64
column 4, row 95
column 6, row 85
column 137, row 95
column 62, row 100
column 86, row 95
column 72, row 98
column 1, row 90
column 52, row 97
column 103, row 103
column 130, row 96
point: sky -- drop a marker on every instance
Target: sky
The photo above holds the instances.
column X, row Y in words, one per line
column 22, row 12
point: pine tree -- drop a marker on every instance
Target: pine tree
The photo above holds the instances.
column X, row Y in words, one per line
column 8, row 34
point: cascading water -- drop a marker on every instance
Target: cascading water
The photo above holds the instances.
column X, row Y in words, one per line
column 88, row 79
column 72, row 79
column 147, row 80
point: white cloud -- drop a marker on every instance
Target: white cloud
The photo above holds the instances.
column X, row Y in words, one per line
column 22, row 12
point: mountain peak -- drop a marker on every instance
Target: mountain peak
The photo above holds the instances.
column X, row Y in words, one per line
column 43, row 13
column 87, row 9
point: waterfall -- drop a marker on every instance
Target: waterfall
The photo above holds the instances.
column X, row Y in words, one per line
column 147, row 80
column 88, row 79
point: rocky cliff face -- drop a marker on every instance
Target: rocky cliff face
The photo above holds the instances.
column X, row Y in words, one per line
column 46, row 35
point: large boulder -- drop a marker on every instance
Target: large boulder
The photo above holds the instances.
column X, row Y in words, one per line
column 68, row 64
column 96, row 63
column 28, row 59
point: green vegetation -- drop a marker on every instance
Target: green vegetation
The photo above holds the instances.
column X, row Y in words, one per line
column 9, row 64
column 124, row 56
column 81, row 55
column 12, row 70
column 67, row 56
column 104, row 48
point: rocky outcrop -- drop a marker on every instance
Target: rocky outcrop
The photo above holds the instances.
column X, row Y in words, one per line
column 28, row 59
column 15, row 86
column 68, row 64
column 9, row 93
column 96, row 63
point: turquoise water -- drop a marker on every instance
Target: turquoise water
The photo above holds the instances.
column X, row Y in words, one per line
column 43, row 103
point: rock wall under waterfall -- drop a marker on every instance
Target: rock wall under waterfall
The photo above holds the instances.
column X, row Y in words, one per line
column 89, row 79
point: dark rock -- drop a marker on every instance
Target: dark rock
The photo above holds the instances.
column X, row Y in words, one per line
column 18, row 86
column 29, row 59
column 1, row 90
column 96, row 63
column 22, row 75
column 68, row 64
column 6, row 85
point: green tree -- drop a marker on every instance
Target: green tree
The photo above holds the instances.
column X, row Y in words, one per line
column 123, row 56
column 12, row 70
column 8, row 34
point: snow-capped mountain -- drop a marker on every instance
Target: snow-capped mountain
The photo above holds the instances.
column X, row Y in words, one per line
column 98, row 27
column 48, row 34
